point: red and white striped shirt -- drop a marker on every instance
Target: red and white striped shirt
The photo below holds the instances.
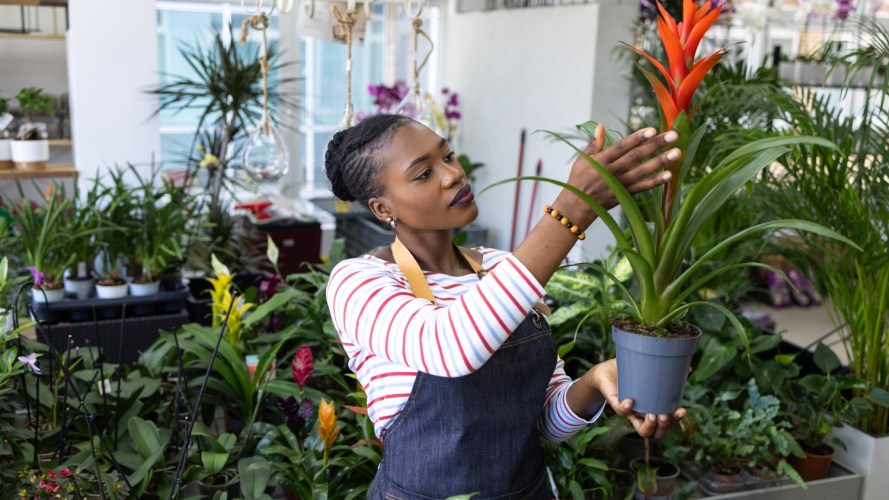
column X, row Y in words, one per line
column 390, row 335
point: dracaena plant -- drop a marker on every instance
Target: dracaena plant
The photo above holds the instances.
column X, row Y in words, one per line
column 658, row 247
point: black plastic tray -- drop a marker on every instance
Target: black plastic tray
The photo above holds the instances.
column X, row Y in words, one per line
column 77, row 311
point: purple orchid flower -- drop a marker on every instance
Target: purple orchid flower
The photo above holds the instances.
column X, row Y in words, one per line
column 31, row 360
column 39, row 276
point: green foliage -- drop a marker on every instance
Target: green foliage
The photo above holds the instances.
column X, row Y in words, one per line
column 32, row 101
column 729, row 431
column 4, row 105
column 469, row 167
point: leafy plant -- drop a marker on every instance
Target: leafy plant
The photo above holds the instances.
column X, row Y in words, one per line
column 32, row 101
column 726, row 436
column 43, row 235
column 4, row 105
column 469, row 167
column 819, row 403
column 116, row 202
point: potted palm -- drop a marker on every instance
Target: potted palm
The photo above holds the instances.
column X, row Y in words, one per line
column 30, row 149
column 5, row 153
column 654, row 346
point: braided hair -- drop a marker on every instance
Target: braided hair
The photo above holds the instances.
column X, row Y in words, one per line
column 351, row 162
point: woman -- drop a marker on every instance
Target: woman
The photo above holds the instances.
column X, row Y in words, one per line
column 460, row 369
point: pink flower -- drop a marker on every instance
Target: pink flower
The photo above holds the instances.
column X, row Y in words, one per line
column 65, row 472
column 302, row 365
column 39, row 276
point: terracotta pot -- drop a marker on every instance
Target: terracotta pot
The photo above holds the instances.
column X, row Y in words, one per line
column 814, row 466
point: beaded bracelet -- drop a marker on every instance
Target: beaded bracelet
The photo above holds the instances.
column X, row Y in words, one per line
column 575, row 230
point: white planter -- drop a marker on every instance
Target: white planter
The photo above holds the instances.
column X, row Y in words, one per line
column 30, row 154
column 80, row 288
column 143, row 289
column 111, row 292
column 866, row 455
column 6, row 154
column 47, row 295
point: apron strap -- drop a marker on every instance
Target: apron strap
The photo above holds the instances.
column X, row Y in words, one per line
column 405, row 261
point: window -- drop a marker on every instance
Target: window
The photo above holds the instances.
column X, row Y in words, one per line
column 384, row 58
column 195, row 25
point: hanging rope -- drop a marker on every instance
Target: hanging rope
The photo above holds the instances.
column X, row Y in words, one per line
column 417, row 23
column 260, row 22
column 347, row 21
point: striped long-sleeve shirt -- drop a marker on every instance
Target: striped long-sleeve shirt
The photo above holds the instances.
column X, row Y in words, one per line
column 390, row 335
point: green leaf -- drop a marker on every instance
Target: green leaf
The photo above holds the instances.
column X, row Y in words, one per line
column 712, row 362
column 272, row 305
column 594, row 463
column 145, row 436
column 825, row 359
column 576, row 490
column 463, row 497
column 255, row 474
column 213, row 462
column 565, row 349
column 879, row 397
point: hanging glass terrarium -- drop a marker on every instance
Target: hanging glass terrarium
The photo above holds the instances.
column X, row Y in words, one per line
column 265, row 155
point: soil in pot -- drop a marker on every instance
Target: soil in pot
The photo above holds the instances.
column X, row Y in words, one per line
column 816, row 464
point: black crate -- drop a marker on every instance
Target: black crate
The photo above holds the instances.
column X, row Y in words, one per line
column 120, row 340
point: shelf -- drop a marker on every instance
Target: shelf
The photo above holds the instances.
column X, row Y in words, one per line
column 31, row 36
column 36, row 3
column 51, row 171
column 61, row 143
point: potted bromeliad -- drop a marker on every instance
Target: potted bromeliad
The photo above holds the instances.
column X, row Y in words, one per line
column 654, row 345
column 30, row 149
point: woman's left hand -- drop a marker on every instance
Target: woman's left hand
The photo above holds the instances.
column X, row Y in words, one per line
column 604, row 378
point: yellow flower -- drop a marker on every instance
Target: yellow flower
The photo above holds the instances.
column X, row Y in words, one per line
column 23, row 493
column 210, row 161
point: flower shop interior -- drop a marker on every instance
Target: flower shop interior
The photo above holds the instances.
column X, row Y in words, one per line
column 168, row 231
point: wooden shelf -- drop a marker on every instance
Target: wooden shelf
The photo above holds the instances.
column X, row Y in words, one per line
column 31, row 36
column 51, row 171
column 59, row 143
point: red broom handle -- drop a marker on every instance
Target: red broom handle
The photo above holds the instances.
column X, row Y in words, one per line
column 533, row 201
column 515, row 211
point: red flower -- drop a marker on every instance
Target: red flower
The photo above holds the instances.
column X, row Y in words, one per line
column 681, row 42
column 302, row 365
column 65, row 472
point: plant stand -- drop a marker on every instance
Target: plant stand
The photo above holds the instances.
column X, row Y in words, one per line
column 867, row 455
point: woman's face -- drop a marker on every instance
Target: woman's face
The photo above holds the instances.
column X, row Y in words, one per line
column 424, row 187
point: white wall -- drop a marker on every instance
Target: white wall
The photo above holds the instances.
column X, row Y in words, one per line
column 112, row 60
column 533, row 69
column 33, row 62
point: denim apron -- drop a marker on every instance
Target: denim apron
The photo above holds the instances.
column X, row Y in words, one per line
column 476, row 433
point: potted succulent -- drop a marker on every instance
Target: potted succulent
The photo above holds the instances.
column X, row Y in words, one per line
column 43, row 241
column 5, row 152
column 30, row 149
column 654, row 346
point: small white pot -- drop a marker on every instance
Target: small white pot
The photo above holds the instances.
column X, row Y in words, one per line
column 111, row 292
column 79, row 288
column 143, row 289
column 41, row 296
column 30, row 154
column 6, row 154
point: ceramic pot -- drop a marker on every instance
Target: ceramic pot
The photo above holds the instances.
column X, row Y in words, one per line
column 144, row 289
column 112, row 291
column 79, row 288
column 30, row 155
column 6, row 162
column 653, row 370
column 55, row 295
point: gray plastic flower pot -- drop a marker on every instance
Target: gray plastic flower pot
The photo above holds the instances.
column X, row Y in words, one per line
column 652, row 370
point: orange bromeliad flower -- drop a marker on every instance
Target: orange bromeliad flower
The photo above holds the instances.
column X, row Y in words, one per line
column 327, row 428
column 681, row 42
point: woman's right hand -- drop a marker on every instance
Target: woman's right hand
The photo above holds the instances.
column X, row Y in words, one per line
column 629, row 159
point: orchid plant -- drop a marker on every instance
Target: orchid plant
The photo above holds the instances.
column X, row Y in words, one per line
column 658, row 247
